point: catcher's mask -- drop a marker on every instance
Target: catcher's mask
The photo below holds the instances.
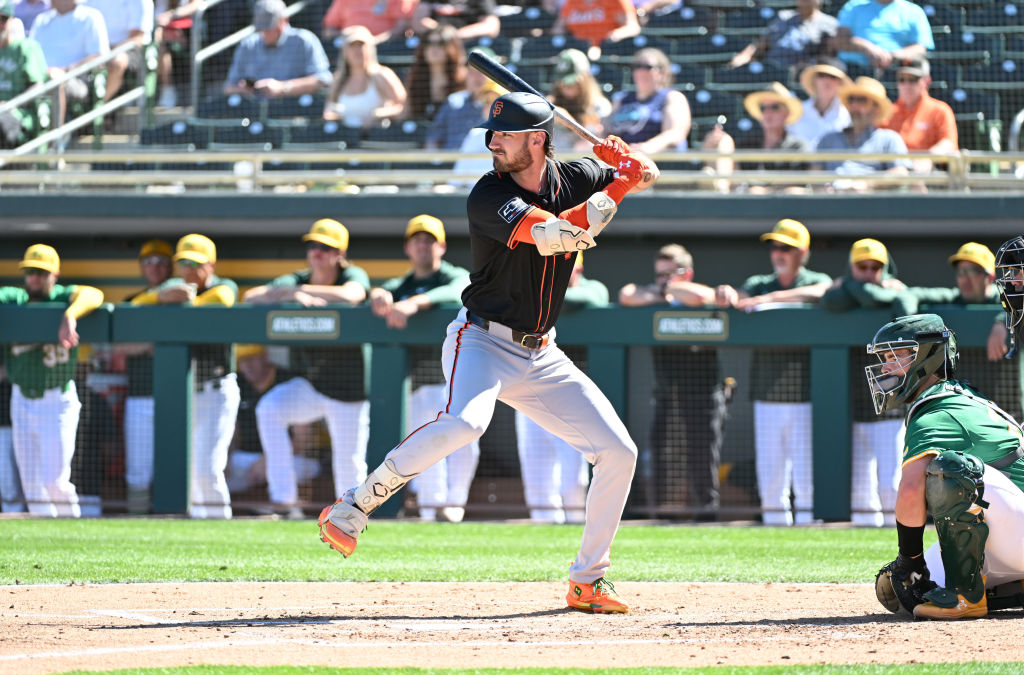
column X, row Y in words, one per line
column 1010, row 282
column 909, row 349
column 519, row 111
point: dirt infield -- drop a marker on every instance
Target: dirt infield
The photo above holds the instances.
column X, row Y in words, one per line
column 56, row 628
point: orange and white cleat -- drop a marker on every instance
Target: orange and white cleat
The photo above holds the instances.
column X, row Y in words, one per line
column 599, row 597
column 340, row 525
column 961, row 609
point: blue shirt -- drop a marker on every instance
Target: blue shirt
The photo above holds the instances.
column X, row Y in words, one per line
column 298, row 53
column 871, row 141
column 453, row 121
column 891, row 27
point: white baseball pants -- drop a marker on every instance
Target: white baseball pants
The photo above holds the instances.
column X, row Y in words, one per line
column 555, row 476
column 138, row 442
column 1004, row 549
column 445, row 484
column 546, row 386
column 295, row 401
column 783, row 446
column 12, row 499
column 44, row 431
column 875, row 471
column 214, row 409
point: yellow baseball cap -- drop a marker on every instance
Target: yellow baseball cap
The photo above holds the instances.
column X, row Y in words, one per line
column 245, row 350
column 156, row 247
column 428, row 224
column 197, row 248
column 868, row 249
column 979, row 254
column 328, row 232
column 41, row 257
column 790, row 233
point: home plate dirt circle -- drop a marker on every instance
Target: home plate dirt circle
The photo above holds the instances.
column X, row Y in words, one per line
column 51, row 629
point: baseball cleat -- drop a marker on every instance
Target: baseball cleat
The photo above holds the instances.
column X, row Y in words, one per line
column 963, row 609
column 599, row 597
column 340, row 525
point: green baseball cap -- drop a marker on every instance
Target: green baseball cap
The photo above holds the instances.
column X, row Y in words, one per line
column 7, row 8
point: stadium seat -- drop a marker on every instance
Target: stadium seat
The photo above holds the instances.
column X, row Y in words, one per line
column 397, row 50
column 399, row 136
column 690, row 74
column 998, row 17
column 530, row 22
column 547, row 47
column 625, row 49
column 254, row 135
column 613, row 77
column 710, row 104
column 747, row 21
column 307, row 105
column 976, row 112
column 1001, row 75
column 945, row 75
column 501, row 45
column 939, row 15
column 1014, row 47
column 681, row 22
column 179, row 133
column 715, row 48
column 965, row 47
column 234, row 106
column 322, row 134
column 750, row 77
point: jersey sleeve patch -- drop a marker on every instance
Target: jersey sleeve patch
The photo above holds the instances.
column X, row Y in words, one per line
column 513, row 210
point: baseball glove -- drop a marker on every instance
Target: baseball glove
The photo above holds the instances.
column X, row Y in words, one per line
column 901, row 585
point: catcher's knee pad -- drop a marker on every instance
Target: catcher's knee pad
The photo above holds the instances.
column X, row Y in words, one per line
column 379, row 486
column 953, row 491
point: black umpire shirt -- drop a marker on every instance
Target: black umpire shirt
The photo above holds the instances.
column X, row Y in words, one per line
column 511, row 282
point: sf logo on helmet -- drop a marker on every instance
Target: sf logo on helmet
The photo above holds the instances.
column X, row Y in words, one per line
column 497, row 108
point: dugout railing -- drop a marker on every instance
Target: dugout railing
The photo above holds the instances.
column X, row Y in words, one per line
column 608, row 335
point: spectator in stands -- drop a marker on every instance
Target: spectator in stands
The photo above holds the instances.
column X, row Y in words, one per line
column 216, row 397
column 689, row 398
column 247, row 466
column 28, row 10
column 653, row 117
column 774, row 108
column 172, row 32
column 438, row 71
column 876, row 439
column 823, row 111
column 556, row 475
column 363, row 93
column 475, row 140
column 70, row 35
column 473, row 19
column 277, row 61
column 924, row 124
column 127, row 21
column 23, row 66
column 792, row 38
column 12, row 497
column 331, row 385
column 868, row 104
column 597, row 21
column 577, row 92
column 44, row 401
column 780, row 379
column 878, row 32
column 155, row 265
column 442, row 490
column 385, row 19
column 461, row 112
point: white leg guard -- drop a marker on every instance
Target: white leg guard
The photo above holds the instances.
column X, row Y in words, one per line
column 379, row 486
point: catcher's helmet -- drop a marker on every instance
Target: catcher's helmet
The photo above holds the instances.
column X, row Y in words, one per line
column 519, row 111
column 1010, row 282
column 897, row 377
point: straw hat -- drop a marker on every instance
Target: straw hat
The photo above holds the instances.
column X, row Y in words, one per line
column 777, row 93
column 833, row 67
column 873, row 89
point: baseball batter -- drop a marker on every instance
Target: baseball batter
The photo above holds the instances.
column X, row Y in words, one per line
column 44, row 401
column 527, row 219
column 963, row 464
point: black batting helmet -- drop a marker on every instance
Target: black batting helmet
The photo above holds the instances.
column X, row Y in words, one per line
column 519, row 111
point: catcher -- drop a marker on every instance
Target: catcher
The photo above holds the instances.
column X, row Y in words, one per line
column 962, row 464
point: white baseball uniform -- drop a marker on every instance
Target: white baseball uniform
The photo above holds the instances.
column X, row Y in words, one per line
column 555, row 477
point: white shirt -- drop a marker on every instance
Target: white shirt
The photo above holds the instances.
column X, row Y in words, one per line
column 68, row 38
column 124, row 16
column 811, row 126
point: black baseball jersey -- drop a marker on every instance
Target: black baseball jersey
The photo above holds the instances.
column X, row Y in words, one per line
column 512, row 283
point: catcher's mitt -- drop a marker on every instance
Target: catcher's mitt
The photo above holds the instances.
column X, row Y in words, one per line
column 901, row 585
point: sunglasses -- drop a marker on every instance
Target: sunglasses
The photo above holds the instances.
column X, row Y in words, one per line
column 908, row 79
column 871, row 266
column 772, row 107
column 786, row 248
column 317, row 246
column 35, row 272
column 857, row 99
column 185, row 262
column 646, row 66
column 155, row 260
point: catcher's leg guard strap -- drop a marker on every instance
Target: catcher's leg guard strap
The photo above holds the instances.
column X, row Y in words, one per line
column 379, row 486
column 953, row 489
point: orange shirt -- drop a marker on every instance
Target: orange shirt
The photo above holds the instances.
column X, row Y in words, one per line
column 592, row 20
column 923, row 126
column 377, row 15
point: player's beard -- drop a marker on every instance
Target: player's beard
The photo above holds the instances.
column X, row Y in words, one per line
column 520, row 161
column 40, row 295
